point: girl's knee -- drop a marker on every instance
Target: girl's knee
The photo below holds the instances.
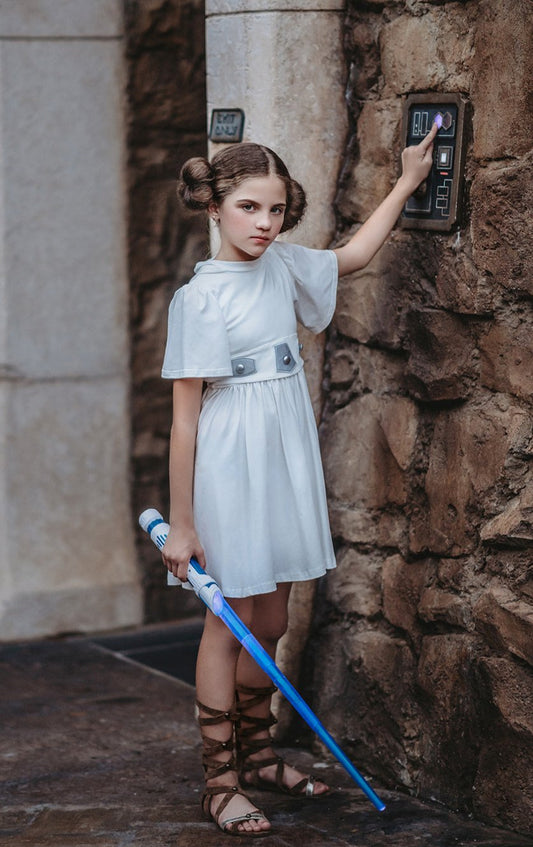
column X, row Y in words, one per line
column 270, row 629
column 271, row 615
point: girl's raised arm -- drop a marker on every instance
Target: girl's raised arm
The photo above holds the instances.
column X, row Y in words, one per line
column 362, row 247
column 182, row 541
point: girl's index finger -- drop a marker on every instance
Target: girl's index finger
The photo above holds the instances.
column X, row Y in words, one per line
column 428, row 140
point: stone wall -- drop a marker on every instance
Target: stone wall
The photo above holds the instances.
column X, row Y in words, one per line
column 423, row 643
column 167, row 125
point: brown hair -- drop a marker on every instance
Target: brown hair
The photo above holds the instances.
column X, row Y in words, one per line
column 202, row 183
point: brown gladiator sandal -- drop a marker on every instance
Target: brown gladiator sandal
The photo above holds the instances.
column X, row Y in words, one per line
column 248, row 745
column 214, row 767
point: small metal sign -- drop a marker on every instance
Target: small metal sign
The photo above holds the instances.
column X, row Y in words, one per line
column 227, row 125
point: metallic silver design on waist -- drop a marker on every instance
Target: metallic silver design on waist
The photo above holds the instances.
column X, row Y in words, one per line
column 243, row 366
column 285, row 361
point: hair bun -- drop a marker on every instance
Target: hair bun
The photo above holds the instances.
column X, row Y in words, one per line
column 195, row 184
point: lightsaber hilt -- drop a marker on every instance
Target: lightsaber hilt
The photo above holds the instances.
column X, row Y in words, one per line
column 203, row 585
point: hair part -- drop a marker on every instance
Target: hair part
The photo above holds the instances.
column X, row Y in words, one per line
column 202, row 183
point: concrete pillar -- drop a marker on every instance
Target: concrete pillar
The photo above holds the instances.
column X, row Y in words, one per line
column 285, row 68
column 67, row 560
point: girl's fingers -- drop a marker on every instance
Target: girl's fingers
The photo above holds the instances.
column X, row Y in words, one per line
column 427, row 142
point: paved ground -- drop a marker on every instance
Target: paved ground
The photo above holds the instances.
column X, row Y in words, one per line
column 98, row 751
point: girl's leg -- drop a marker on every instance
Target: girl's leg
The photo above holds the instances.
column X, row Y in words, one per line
column 268, row 624
column 215, row 689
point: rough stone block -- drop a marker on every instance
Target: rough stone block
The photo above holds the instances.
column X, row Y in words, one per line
column 506, row 621
column 507, row 356
column 166, row 86
column 354, row 587
column 438, row 605
column 446, row 675
column 428, row 52
column 367, row 448
column 510, row 686
column 291, row 648
column 342, row 368
column 365, row 67
column 372, row 177
column 372, row 304
column 514, row 526
column 403, row 585
column 467, row 456
column 502, row 198
column 377, row 370
column 444, row 668
column 503, row 119
column 380, row 713
column 503, row 788
column 461, row 287
column 359, row 526
column 367, row 304
column 329, row 667
column 442, row 362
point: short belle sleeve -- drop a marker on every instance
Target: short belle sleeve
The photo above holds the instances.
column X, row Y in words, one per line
column 197, row 340
column 315, row 276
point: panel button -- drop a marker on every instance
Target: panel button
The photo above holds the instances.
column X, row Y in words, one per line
column 444, row 157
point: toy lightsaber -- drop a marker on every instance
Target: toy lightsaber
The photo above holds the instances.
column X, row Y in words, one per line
column 207, row 590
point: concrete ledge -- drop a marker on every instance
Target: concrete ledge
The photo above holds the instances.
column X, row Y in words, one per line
column 232, row 7
column 83, row 610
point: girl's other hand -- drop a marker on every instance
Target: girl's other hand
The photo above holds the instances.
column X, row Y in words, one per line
column 417, row 161
column 180, row 547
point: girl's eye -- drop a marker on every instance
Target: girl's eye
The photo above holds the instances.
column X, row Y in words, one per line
column 278, row 210
column 248, row 207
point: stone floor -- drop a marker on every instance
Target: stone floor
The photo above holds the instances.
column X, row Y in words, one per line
column 98, row 751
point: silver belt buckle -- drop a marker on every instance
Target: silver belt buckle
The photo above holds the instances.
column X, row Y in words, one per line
column 285, row 361
column 243, row 366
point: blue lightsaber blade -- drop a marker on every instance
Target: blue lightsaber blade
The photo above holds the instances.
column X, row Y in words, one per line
column 208, row 591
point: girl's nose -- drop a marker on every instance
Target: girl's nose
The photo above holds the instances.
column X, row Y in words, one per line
column 264, row 222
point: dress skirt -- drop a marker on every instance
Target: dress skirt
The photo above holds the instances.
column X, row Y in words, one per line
column 260, row 504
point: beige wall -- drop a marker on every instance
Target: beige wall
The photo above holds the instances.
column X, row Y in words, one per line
column 67, row 559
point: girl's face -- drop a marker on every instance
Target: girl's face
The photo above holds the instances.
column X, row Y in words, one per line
column 250, row 218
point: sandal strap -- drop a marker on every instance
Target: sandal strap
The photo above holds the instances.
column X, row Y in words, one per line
column 257, row 695
column 229, row 793
column 215, row 716
column 248, row 726
column 212, row 747
column 246, row 765
column 214, row 767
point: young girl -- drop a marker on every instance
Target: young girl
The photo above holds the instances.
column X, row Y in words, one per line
column 246, row 483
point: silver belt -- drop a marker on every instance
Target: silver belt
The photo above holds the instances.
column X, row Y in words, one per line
column 269, row 362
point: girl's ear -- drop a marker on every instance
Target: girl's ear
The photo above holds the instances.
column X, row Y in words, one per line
column 213, row 212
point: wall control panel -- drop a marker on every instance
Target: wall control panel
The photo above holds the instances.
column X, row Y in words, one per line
column 436, row 203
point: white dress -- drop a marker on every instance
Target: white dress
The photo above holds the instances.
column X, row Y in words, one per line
column 260, row 506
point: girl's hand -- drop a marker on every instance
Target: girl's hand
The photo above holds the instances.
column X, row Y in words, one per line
column 180, row 547
column 417, row 161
